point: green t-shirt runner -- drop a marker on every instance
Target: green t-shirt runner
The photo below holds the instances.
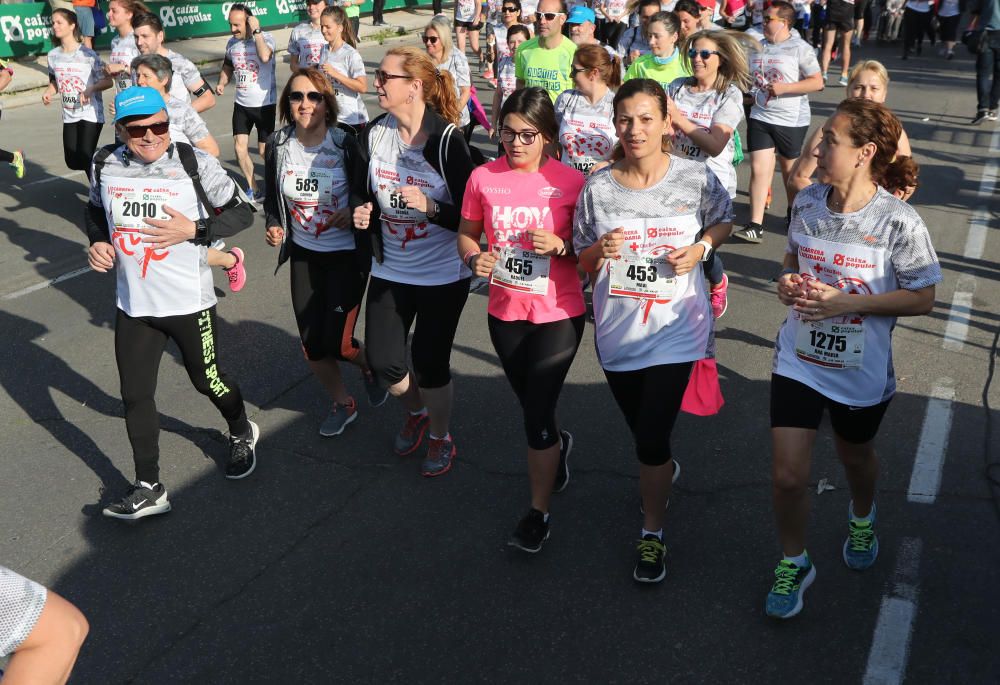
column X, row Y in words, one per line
column 547, row 68
column 648, row 66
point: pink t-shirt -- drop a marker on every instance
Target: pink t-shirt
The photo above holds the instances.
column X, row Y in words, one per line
column 509, row 203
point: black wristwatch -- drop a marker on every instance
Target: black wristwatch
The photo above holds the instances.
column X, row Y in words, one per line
column 255, row 32
column 200, row 232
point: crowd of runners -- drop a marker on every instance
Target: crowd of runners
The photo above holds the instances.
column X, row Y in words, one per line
column 612, row 166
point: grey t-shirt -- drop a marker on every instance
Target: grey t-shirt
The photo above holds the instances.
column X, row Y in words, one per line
column 186, row 76
column 707, row 109
column 186, row 125
column 458, row 65
column 586, row 131
column 21, row 603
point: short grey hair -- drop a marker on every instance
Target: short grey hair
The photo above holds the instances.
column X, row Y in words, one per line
column 158, row 64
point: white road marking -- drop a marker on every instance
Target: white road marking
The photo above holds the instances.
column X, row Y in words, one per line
column 975, row 242
column 957, row 329
column 49, row 179
column 891, row 642
column 46, row 284
column 925, row 481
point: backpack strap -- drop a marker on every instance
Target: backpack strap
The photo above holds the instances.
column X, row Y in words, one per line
column 190, row 163
column 99, row 160
column 443, row 147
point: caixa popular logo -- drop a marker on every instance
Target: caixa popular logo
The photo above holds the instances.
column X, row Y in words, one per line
column 26, row 29
column 167, row 16
column 12, row 30
column 252, row 6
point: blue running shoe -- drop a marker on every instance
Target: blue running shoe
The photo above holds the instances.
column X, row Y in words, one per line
column 861, row 546
column 790, row 583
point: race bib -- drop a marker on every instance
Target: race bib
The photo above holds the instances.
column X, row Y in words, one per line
column 831, row 345
column 123, row 81
column 688, row 148
column 388, row 180
column 308, row 185
column 72, row 80
column 245, row 78
column 130, row 208
column 642, row 276
column 71, row 101
column 586, row 140
column 521, row 270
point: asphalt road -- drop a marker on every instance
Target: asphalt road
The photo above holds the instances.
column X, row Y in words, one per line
column 337, row 562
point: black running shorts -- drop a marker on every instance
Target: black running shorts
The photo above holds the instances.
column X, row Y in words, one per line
column 247, row 118
column 796, row 405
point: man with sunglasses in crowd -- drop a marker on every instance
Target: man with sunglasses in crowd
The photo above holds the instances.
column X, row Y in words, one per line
column 151, row 218
column 546, row 60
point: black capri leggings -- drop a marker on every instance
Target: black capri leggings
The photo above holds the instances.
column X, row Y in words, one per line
column 536, row 358
column 915, row 26
column 139, row 345
column 6, row 155
column 650, row 399
column 389, row 315
column 327, row 288
column 79, row 143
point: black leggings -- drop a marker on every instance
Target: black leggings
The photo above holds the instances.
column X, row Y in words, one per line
column 6, row 156
column 139, row 345
column 389, row 315
column 327, row 288
column 79, row 143
column 536, row 358
column 915, row 25
column 650, row 399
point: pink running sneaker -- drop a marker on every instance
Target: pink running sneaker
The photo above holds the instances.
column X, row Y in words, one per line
column 720, row 301
column 237, row 274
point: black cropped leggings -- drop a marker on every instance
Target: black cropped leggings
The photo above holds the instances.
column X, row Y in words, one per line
column 79, row 143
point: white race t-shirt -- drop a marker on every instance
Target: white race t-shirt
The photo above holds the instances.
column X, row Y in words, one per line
column 254, row 78
column 789, row 61
column 880, row 248
column 416, row 251
column 465, row 10
column 348, row 62
column 306, row 43
column 123, row 51
column 586, row 131
column 314, row 186
column 705, row 109
column 458, row 65
column 506, row 78
column 74, row 72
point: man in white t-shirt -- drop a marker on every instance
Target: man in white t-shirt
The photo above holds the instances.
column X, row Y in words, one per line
column 250, row 63
column 187, row 84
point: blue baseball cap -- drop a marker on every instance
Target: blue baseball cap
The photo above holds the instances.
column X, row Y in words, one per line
column 580, row 14
column 138, row 101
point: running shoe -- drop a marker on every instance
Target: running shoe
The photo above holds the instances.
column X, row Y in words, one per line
column 377, row 395
column 991, row 115
column 530, row 533
column 790, row 583
column 649, row 565
column 237, row 273
column 825, row 78
column 751, row 233
column 673, row 479
column 243, row 454
column 440, row 455
column 861, row 546
column 719, row 297
column 410, row 437
column 562, row 475
column 18, row 164
column 338, row 419
column 843, row 80
column 981, row 116
column 140, row 502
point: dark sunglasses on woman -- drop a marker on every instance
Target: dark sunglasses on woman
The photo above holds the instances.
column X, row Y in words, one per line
column 314, row 96
column 429, row 40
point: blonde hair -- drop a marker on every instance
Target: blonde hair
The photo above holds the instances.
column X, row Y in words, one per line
column 732, row 46
column 439, row 86
column 873, row 66
column 442, row 27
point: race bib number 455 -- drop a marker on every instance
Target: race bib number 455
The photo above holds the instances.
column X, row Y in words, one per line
column 521, row 270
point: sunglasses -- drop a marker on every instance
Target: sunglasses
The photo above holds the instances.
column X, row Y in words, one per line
column 704, row 54
column 576, row 70
column 314, row 96
column 526, row 137
column 772, row 18
column 549, row 16
column 508, row 10
column 429, row 40
column 139, row 131
column 383, row 78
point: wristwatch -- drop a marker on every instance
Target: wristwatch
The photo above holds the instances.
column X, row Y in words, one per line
column 255, row 32
column 708, row 249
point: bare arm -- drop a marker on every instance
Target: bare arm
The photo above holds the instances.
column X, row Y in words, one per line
column 209, row 145
column 804, row 167
column 204, row 101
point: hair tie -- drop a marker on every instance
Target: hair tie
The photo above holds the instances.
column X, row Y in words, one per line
column 440, row 76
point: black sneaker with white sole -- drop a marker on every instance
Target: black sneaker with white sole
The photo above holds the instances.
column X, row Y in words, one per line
column 562, row 475
column 650, row 566
column 530, row 533
column 981, row 116
column 243, row 454
column 751, row 233
column 140, row 502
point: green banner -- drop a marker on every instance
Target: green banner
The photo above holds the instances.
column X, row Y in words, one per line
column 26, row 28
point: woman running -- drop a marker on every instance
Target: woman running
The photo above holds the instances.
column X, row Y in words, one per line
column 343, row 66
column 585, row 114
column 857, row 258
column 310, row 167
column 705, row 110
column 642, row 229
column 123, row 46
column 437, row 42
column 869, row 81
column 306, row 41
column 15, row 158
column 417, row 175
column 77, row 74
column 505, row 71
column 536, row 308
column 664, row 63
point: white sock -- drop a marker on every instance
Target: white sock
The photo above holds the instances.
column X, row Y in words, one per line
column 422, row 412
column 801, row 560
column 148, row 486
column 447, row 436
column 657, row 533
column 863, row 518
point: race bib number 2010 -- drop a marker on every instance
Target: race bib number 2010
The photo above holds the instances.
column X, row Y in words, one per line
column 129, row 210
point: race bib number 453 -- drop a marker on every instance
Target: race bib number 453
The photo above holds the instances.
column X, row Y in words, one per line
column 642, row 276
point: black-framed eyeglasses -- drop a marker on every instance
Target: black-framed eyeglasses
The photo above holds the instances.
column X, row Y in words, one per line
column 548, row 16
column 383, row 78
column 508, row 135
column 508, row 10
column 429, row 40
column 704, row 54
column 160, row 128
column 314, row 96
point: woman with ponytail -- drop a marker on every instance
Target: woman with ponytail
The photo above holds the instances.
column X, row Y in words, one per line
column 419, row 167
column 344, row 67
column 123, row 46
column 585, row 114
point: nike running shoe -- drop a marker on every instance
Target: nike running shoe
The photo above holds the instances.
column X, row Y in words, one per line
column 377, row 395
column 861, row 546
column 140, row 502
column 790, row 583
column 237, row 273
column 650, row 566
column 673, row 479
column 719, row 297
column 243, row 454
column 751, row 233
column 18, row 164
column 530, row 533
column 440, row 455
column 338, row 419
column 412, row 435
column 562, row 475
